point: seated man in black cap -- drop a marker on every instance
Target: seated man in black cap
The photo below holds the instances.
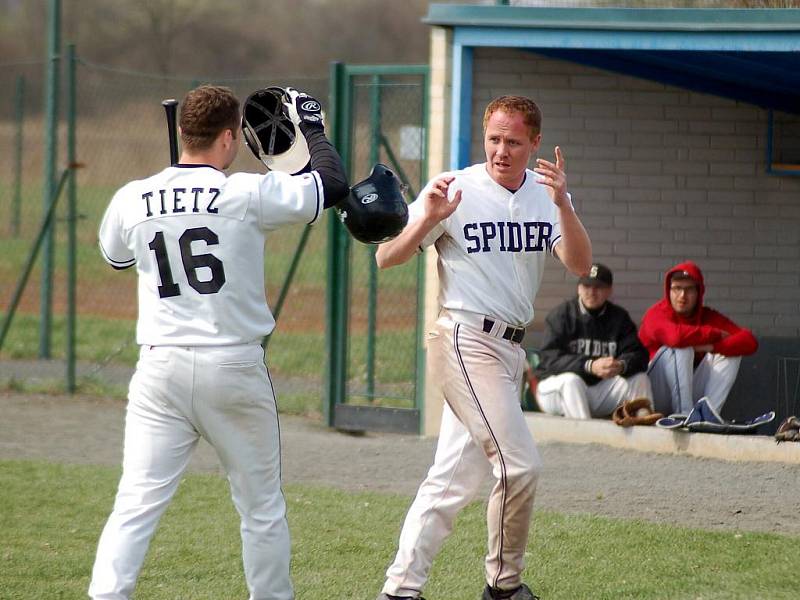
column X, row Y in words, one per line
column 591, row 360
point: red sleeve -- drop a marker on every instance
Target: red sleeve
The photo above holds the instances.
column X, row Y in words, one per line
column 644, row 334
column 739, row 342
column 681, row 335
column 658, row 330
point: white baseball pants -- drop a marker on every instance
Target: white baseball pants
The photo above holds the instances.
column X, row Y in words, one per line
column 177, row 395
column 483, row 432
column 678, row 385
column 567, row 394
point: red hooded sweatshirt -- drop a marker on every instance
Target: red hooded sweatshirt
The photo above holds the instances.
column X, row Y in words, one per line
column 662, row 326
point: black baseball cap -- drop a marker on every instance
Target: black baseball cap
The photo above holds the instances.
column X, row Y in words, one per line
column 598, row 275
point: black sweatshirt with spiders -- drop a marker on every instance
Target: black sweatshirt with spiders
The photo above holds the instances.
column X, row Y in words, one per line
column 574, row 336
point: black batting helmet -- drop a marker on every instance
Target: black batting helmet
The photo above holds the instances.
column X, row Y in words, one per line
column 271, row 135
column 375, row 211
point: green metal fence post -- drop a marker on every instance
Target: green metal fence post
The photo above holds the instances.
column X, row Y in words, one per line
column 72, row 214
column 19, row 119
column 338, row 256
column 47, row 221
column 50, row 155
column 372, row 301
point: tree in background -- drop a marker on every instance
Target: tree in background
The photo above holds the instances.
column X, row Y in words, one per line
column 232, row 39
column 243, row 38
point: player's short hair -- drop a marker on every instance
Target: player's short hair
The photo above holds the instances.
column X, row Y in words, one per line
column 511, row 104
column 207, row 111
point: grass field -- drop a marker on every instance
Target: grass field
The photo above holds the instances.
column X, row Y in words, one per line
column 51, row 516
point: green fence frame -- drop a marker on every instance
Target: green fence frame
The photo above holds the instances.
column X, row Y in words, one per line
column 339, row 248
column 44, row 239
column 52, row 89
column 72, row 215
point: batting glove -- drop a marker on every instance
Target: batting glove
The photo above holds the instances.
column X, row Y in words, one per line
column 302, row 108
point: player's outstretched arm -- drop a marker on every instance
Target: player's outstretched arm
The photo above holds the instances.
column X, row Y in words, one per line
column 437, row 208
column 306, row 112
column 575, row 247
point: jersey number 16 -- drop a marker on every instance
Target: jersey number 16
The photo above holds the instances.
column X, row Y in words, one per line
column 191, row 262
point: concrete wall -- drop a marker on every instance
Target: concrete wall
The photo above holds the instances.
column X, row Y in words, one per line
column 658, row 175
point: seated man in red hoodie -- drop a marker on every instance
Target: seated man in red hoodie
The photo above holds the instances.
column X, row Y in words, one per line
column 695, row 351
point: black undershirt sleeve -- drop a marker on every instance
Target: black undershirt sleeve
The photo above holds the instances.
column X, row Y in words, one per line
column 326, row 161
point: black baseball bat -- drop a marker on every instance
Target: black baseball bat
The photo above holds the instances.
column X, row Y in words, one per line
column 171, row 108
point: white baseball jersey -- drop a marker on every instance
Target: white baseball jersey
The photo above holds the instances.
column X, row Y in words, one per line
column 491, row 225
column 197, row 239
column 491, row 254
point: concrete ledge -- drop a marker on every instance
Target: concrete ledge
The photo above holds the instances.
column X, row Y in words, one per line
column 549, row 428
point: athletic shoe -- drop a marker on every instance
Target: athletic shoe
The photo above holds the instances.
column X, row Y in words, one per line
column 523, row 592
column 385, row 596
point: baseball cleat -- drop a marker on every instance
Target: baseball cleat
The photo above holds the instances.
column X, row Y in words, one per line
column 523, row 592
column 385, row 596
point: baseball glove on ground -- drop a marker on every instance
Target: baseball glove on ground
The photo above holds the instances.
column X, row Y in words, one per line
column 638, row 411
column 788, row 430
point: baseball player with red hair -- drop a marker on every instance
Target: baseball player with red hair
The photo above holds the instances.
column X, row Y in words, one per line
column 492, row 225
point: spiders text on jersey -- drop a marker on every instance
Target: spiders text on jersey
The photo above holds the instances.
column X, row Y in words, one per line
column 508, row 236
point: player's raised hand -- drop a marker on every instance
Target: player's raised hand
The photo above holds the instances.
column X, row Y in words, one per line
column 302, row 108
column 554, row 177
column 437, row 205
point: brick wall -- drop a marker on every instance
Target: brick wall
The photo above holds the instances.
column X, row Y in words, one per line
column 658, row 175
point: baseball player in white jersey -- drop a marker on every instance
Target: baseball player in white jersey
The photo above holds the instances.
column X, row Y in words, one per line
column 492, row 225
column 196, row 238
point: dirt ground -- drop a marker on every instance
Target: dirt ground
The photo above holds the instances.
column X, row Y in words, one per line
column 577, row 478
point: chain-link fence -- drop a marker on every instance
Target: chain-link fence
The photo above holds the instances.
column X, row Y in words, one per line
column 22, row 140
column 384, row 110
column 121, row 135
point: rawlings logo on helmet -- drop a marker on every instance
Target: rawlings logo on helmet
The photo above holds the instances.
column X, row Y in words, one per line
column 369, row 198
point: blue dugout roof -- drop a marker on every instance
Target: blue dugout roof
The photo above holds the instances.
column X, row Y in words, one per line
column 750, row 55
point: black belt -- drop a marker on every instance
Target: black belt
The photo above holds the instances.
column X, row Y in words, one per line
column 514, row 334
